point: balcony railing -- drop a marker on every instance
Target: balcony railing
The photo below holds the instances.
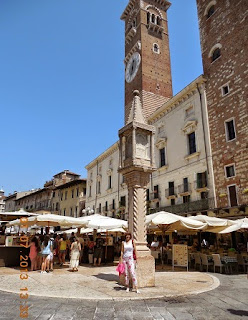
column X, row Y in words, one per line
column 111, row 207
column 200, row 184
column 170, row 192
column 185, row 188
column 155, row 196
column 194, row 206
column 121, row 209
column 155, row 27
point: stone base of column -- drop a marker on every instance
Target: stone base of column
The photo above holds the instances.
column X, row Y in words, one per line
column 145, row 270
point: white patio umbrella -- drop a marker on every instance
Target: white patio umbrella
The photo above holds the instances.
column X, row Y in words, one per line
column 90, row 230
column 20, row 212
column 167, row 221
column 170, row 222
column 47, row 220
column 213, row 224
column 68, row 231
column 97, row 221
column 239, row 225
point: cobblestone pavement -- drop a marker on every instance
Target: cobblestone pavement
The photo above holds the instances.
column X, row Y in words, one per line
column 228, row 301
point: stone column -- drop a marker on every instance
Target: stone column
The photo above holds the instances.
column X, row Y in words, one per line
column 137, row 182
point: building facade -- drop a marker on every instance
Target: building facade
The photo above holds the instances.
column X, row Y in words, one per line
column 10, row 201
column 2, row 201
column 224, row 37
column 201, row 135
column 106, row 190
column 64, row 194
column 38, row 201
column 183, row 182
column 68, row 199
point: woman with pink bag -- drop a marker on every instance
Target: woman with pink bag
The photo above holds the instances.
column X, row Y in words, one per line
column 128, row 251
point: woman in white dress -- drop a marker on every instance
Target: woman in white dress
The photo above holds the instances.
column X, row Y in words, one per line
column 128, row 250
column 75, row 254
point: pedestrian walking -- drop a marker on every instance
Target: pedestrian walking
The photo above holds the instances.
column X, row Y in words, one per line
column 90, row 246
column 46, row 251
column 128, row 251
column 34, row 247
column 98, row 249
column 75, row 254
column 62, row 249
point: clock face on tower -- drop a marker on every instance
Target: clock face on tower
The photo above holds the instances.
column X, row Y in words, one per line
column 132, row 66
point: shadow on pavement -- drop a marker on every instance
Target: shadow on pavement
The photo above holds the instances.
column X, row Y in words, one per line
column 238, row 312
column 107, row 276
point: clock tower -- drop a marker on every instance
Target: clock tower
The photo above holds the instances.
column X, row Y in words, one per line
column 147, row 55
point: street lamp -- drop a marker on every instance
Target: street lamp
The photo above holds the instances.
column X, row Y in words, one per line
column 88, row 211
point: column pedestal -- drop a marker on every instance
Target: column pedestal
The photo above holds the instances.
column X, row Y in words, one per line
column 145, row 271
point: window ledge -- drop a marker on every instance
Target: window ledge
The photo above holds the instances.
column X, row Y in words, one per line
column 193, row 155
column 187, row 193
column 109, row 190
column 155, row 200
column 202, row 189
column 163, row 169
column 171, row 197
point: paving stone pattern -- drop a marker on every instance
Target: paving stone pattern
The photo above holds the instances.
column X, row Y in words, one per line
column 228, row 301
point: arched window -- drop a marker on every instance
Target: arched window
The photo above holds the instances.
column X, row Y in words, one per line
column 158, row 21
column 156, row 48
column 148, row 17
column 210, row 11
column 134, row 23
column 153, row 18
column 216, row 54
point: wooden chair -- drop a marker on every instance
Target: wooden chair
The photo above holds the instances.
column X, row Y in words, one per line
column 242, row 262
column 217, row 262
column 169, row 257
column 205, row 261
column 198, row 260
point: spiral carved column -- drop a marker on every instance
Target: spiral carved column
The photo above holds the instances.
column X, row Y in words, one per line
column 137, row 184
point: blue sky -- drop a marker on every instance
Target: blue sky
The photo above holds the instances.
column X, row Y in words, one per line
column 62, row 82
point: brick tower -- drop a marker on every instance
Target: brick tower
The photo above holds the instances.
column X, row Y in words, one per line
column 224, row 40
column 147, row 56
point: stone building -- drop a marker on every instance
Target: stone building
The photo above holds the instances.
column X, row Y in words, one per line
column 106, row 190
column 49, row 198
column 11, row 200
column 224, row 37
column 183, row 181
column 201, row 133
column 38, row 201
column 2, row 201
column 68, row 199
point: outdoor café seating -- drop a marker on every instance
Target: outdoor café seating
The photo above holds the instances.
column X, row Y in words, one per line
column 217, row 262
column 242, row 262
column 205, row 261
column 198, row 261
